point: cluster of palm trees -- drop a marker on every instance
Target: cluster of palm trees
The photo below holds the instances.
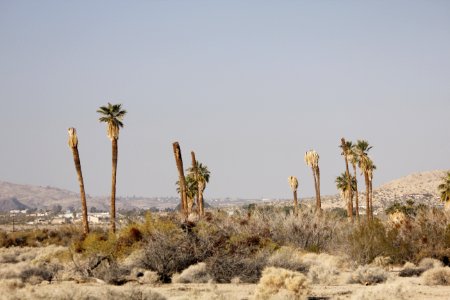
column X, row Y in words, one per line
column 112, row 115
column 357, row 155
column 192, row 185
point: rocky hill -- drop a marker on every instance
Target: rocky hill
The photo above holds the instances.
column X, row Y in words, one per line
column 8, row 204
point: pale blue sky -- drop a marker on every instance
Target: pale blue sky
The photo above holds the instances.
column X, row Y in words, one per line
column 249, row 85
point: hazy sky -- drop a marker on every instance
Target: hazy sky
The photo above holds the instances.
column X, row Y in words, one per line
column 249, row 85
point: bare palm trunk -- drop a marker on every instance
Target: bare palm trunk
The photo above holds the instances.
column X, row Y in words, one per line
column 295, row 204
column 76, row 159
column 366, row 179
column 182, row 180
column 316, row 173
column 356, row 193
column 112, row 221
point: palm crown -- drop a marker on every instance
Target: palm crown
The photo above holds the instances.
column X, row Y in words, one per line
column 112, row 115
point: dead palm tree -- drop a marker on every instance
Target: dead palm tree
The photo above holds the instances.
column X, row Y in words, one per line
column 346, row 185
column 346, row 152
column 73, row 144
column 182, row 179
column 353, row 158
column 293, row 182
column 112, row 115
column 361, row 149
column 312, row 160
column 444, row 190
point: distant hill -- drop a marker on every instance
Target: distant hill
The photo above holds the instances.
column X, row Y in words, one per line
column 46, row 197
column 420, row 187
column 8, row 204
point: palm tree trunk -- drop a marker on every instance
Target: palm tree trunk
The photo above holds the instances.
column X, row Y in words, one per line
column 295, row 204
column 112, row 221
column 316, row 173
column 200, row 202
column 366, row 179
column 76, row 159
column 349, row 181
column 356, row 194
column 371, row 198
column 194, row 168
column 183, row 189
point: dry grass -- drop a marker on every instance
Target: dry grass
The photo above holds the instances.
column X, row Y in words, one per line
column 368, row 275
column 384, row 292
column 437, row 276
column 277, row 283
column 69, row 290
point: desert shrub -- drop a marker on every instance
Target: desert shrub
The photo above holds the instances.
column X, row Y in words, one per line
column 226, row 266
column 288, row 258
column 429, row 263
column 410, row 270
column 107, row 269
column 437, row 276
column 282, row 283
column 168, row 254
column 193, row 274
column 323, row 268
column 368, row 275
column 308, row 231
column 39, row 273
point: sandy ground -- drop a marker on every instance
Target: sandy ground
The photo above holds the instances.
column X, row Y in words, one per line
column 401, row 288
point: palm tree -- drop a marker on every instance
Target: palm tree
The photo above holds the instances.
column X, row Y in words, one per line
column 201, row 175
column 346, row 185
column 293, row 182
column 444, row 190
column 112, row 115
column 346, row 147
column 191, row 191
column 361, row 149
column 312, row 160
column 73, row 144
column 182, row 179
column 353, row 158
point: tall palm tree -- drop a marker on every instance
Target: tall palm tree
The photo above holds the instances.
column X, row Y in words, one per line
column 444, row 190
column 346, row 185
column 353, row 158
column 201, row 175
column 73, row 144
column 312, row 160
column 361, row 149
column 293, row 182
column 346, row 147
column 112, row 115
column 182, row 179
